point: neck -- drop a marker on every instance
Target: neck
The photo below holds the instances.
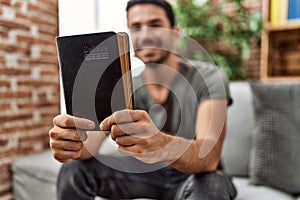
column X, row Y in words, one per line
column 163, row 73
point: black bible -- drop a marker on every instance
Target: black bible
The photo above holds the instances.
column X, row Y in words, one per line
column 95, row 72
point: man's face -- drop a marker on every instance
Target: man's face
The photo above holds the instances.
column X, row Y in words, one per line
column 151, row 34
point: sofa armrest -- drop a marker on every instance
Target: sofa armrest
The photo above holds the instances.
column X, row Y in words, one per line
column 240, row 123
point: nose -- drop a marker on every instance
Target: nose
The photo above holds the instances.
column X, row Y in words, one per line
column 139, row 36
column 144, row 33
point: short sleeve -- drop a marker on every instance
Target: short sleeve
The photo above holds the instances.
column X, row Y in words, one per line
column 209, row 82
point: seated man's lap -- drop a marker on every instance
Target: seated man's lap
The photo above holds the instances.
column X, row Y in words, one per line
column 125, row 177
column 207, row 186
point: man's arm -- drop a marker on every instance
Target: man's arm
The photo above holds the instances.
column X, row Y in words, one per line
column 137, row 135
column 204, row 152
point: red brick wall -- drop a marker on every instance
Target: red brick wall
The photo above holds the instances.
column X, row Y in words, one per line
column 29, row 90
column 253, row 65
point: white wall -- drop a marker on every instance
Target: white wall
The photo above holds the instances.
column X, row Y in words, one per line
column 112, row 15
column 78, row 16
column 87, row 16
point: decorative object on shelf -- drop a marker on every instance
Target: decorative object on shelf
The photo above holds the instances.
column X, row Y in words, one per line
column 280, row 42
column 225, row 30
column 284, row 11
column 278, row 11
column 293, row 9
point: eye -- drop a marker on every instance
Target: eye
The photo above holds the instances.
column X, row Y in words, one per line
column 155, row 25
column 135, row 29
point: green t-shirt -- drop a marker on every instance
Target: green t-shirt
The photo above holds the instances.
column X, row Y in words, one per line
column 195, row 82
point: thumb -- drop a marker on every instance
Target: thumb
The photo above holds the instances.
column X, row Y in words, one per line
column 82, row 135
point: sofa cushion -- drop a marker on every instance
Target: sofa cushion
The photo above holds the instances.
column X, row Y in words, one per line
column 275, row 155
column 35, row 176
column 236, row 148
column 245, row 191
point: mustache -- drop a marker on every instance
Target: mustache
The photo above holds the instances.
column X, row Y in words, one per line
column 149, row 42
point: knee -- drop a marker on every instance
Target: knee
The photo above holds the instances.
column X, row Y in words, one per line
column 208, row 186
column 74, row 178
column 69, row 169
column 217, row 183
column 80, row 171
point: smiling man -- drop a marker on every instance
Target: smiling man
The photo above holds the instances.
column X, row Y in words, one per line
column 172, row 141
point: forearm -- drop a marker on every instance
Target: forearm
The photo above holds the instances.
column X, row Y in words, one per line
column 185, row 156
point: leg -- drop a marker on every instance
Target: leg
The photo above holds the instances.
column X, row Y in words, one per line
column 86, row 179
column 207, row 186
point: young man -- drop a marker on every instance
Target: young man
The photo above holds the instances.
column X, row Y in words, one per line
column 173, row 138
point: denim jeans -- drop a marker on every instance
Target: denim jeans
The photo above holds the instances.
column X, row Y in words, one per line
column 127, row 178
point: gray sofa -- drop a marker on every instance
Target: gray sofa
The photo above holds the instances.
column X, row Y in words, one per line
column 34, row 177
column 238, row 146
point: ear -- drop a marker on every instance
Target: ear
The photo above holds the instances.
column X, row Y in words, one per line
column 177, row 32
column 176, row 28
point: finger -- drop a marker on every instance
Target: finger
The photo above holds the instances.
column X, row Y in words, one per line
column 126, row 140
column 123, row 129
column 132, row 150
column 82, row 135
column 116, row 132
column 57, row 133
column 122, row 116
column 63, row 156
column 68, row 121
column 66, row 145
column 63, row 161
column 126, row 150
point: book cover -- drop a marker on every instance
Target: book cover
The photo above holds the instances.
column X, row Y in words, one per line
column 95, row 72
column 293, row 9
column 275, row 12
column 284, row 12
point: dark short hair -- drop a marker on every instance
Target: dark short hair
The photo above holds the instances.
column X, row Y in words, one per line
column 161, row 3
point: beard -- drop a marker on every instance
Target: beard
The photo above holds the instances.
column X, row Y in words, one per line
column 159, row 57
column 163, row 57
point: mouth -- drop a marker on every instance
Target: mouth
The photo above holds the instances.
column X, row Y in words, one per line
column 148, row 48
column 147, row 52
column 149, row 44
